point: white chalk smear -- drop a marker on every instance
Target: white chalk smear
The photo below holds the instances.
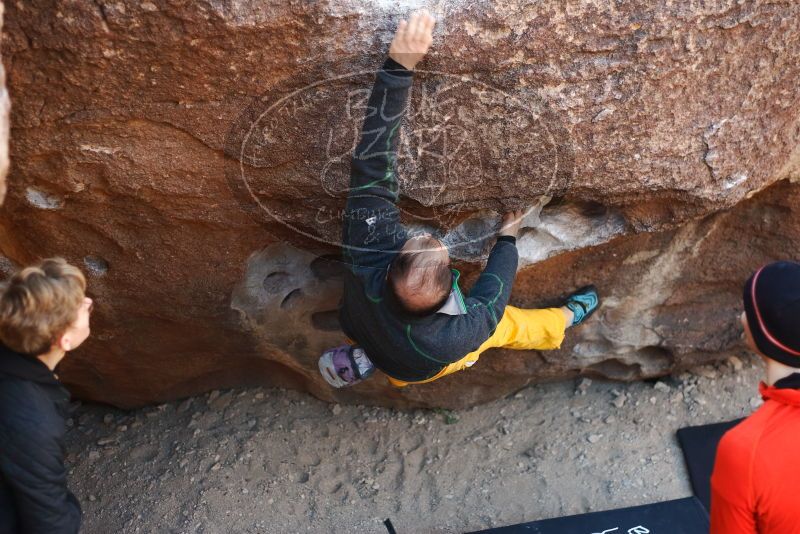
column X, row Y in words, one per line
column 734, row 180
column 43, row 200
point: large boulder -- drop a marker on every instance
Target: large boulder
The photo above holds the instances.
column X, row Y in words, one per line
column 5, row 106
column 193, row 157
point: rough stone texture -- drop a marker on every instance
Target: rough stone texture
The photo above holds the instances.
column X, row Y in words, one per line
column 193, row 157
column 5, row 106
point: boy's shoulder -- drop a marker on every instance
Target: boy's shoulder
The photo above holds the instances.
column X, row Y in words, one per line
column 746, row 434
column 736, row 453
column 26, row 409
column 740, row 444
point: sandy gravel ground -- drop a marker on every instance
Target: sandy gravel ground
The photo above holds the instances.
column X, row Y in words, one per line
column 275, row 461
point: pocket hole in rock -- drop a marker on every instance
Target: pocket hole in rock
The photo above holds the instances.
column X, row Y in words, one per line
column 275, row 282
column 616, row 369
column 96, row 265
column 327, row 321
column 291, row 297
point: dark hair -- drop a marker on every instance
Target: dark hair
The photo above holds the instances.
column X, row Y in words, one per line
column 416, row 272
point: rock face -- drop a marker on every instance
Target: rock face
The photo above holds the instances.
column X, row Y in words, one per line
column 193, row 157
column 5, row 106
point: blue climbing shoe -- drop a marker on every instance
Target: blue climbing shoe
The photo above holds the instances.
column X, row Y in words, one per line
column 582, row 304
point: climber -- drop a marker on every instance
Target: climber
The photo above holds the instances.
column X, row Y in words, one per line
column 44, row 313
column 754, row 484
column 402, row 303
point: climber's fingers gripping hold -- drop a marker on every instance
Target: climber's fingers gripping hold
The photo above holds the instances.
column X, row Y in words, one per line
column 412, row 39
column 511, row 223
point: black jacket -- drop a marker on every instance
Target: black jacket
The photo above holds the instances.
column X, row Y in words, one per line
column 405, row 347
column 33, row 481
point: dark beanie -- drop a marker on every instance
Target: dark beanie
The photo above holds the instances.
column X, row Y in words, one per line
column 772, row 305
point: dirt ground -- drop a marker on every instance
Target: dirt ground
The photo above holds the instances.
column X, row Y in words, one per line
column 276, row 461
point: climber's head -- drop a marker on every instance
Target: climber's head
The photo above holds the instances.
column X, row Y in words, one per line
column 420, row 276
column 771, row 317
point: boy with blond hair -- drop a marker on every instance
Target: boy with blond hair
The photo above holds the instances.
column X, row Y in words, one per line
column 44, row 313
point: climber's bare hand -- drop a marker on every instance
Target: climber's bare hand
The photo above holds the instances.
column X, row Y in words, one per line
column 412, row 39
column 511, row 223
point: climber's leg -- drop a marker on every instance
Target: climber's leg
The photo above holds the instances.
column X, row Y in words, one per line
column 517, row 329
column 532, row 329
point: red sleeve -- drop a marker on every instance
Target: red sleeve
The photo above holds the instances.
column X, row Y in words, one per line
column 732, row 492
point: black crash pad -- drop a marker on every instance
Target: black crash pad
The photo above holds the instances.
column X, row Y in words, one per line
column 699, row 445
column 682, row 516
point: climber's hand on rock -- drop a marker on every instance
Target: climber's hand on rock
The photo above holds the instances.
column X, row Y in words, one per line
column 412, row 39
column 511, row 223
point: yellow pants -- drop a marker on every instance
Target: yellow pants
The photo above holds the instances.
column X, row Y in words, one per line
column 518, row 329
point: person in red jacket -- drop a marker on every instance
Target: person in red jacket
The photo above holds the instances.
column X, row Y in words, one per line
column 754, row 487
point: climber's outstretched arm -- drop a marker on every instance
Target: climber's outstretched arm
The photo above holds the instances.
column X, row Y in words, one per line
column 372, row 231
